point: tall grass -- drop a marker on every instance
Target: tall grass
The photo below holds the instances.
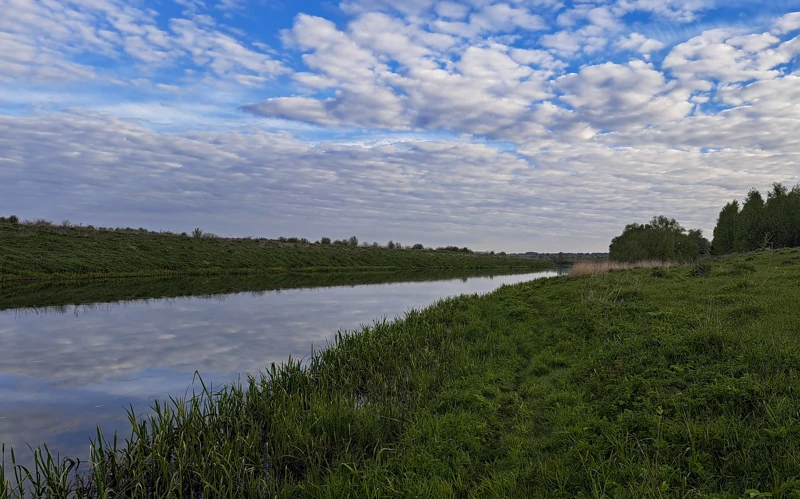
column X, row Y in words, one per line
column 602, row 266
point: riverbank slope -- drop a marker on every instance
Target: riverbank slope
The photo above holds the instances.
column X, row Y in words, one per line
column 678, row 382
column 41, row 251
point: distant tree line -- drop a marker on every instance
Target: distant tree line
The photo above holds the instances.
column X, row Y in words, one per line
column 353, row 242
column 66, row 224
column 563, row 257
column 774, row 223
column 661, row 239
column 198, row 233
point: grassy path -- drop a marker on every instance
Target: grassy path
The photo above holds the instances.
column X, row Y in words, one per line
column 679, row 382
column 53, row 252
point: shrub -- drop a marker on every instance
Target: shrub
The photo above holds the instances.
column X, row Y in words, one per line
column 701, row 269
column 197, row 232
column 325, row 240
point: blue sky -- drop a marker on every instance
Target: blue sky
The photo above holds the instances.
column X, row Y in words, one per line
column 517, row 125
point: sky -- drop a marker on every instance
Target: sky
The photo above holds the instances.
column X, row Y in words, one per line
column 515, row 125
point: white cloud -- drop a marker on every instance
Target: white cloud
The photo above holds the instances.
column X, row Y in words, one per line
column 452, row 10
column 563, row 42
column 55, row 35
column 786, row 24
column 675, row 10
column 623, row 97
column 716, row 55
column 502, row 17
column 638, row 43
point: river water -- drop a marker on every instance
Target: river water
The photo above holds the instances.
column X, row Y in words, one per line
column 66, row 369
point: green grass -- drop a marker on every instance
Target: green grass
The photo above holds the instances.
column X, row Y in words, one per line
column 29, row 251
column 678, row 382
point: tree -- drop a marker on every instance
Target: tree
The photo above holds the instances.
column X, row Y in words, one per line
column 325, row 240
column 661, row 239
column 749, row 229
column 703, row 244
column 776, row 217
column 793, row 216
column 353, row 241
column 725, row 230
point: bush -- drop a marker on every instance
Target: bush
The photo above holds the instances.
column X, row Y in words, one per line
column 325, row 240
column 418, row 247
column 701, row 269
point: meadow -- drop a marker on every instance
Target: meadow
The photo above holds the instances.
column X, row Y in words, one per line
column 47, row 251
column 653, row 382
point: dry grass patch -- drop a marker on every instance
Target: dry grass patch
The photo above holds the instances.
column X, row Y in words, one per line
column 602, row 266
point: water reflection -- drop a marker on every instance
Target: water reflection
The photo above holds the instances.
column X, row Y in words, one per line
column 65, row 368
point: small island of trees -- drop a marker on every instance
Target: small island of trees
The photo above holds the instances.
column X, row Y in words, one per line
column 661, row 239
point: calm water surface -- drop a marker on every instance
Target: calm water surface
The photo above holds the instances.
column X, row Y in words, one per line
column 64, row 370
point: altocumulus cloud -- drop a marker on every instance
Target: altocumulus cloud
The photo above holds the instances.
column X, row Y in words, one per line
column 516, row 125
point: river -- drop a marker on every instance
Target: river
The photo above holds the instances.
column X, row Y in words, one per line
column 65, row 369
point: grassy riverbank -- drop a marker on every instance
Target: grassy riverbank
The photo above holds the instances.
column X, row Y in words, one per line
column 675, row 382
column 40, row 251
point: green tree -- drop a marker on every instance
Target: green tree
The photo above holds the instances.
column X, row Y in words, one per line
column 661, row 239
column 776, row 217
column 749, row 228
column 793, row 215
column 703, row 244
column 725, row 230
column 325, row 240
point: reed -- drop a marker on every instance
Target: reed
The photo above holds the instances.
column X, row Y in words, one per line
column 601, row 266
